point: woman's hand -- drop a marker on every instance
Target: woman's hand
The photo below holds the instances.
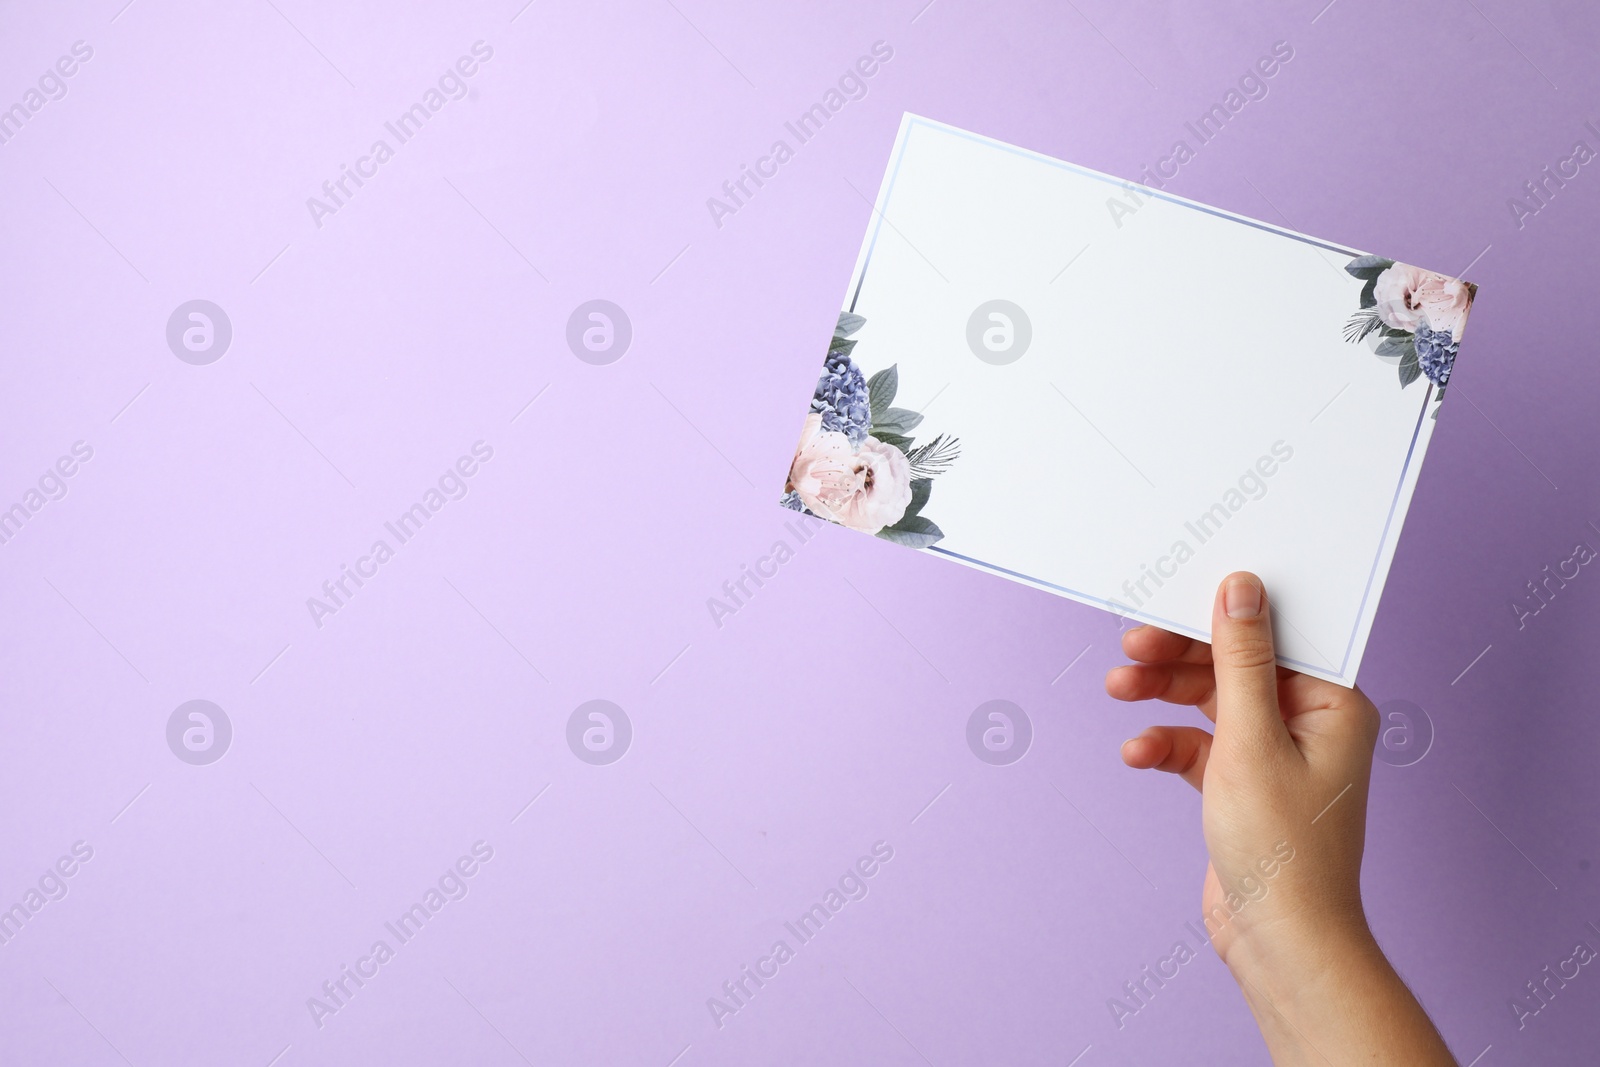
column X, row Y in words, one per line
column 1284, row 784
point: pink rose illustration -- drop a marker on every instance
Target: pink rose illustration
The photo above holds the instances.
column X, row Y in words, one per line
column 1409, row 297
column 865, row 490
column 1394, row 291
column 1444, row 303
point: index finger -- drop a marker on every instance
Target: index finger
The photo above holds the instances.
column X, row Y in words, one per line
column 1151, row 644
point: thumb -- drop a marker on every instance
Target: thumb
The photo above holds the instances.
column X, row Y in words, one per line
column 1245, row 664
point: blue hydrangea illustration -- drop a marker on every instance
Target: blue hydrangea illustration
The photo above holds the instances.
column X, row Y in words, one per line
column 1436, row 354
column 792, row 501
column 841, row 398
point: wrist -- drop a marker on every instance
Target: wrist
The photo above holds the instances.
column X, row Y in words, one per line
column 1285, row 959
column 1332, row 989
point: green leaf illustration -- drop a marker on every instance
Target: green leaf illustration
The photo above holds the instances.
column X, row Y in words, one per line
column 848, row 324
column 1410, row 369
column 1365, row 267
column 896, row 420
column 913, row 531
column 881, row 388
column 899, row 441
column 921, row 489
column 1404, row 347
column 1369, row 293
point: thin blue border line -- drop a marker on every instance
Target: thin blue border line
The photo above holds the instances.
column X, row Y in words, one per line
column 1384, row 540
column 878, row 226
column 894, row 174
column 1110, row 605
column 1120, row 183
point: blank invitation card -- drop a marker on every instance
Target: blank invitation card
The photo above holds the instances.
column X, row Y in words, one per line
column 1118, row 395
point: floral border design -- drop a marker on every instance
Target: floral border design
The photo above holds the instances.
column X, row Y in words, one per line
column 856, row 464
column 1416, row 315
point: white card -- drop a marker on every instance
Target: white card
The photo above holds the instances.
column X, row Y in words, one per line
column 1120, row 396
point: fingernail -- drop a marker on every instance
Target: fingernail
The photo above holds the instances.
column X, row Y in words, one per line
column 1242, row 599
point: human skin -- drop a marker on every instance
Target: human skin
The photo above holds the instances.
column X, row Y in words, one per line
column 1290, row 761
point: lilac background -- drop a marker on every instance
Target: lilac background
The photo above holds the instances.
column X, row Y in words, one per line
column 768, row 754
